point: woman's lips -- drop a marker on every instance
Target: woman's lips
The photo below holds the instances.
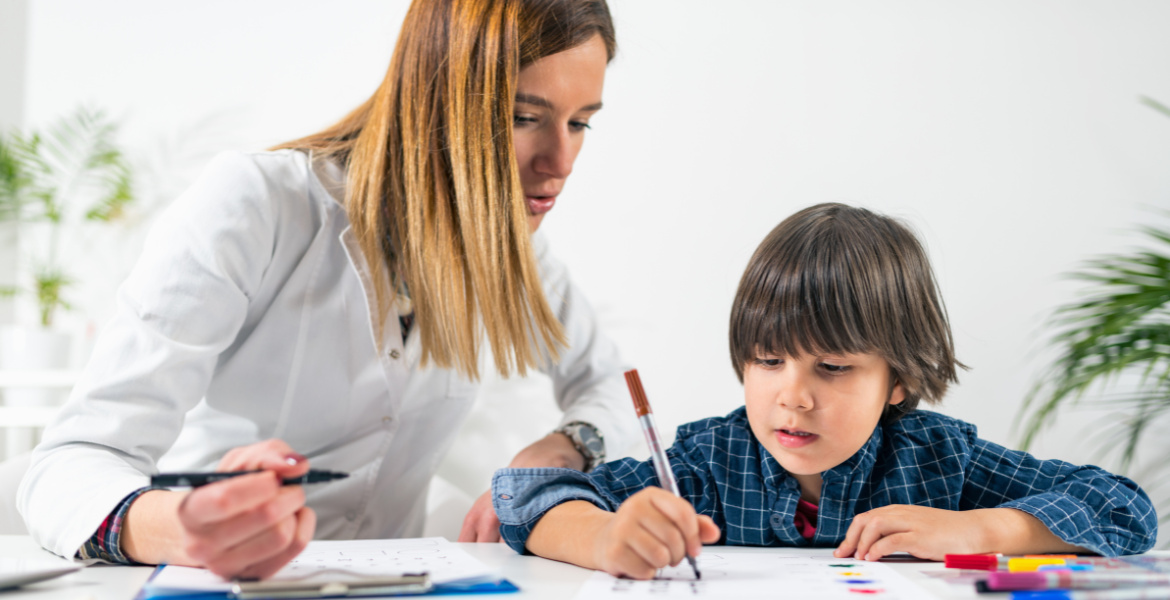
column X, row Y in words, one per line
column 795, row 438
column 538, row 205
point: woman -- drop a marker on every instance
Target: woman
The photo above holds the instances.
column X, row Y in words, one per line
column 326, row 303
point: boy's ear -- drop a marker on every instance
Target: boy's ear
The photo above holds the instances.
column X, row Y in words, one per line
column 897, row 392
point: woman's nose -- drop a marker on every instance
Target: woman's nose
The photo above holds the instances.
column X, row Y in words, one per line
column 557, row 156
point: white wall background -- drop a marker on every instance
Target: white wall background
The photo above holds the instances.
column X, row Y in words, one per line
column 1007, row 133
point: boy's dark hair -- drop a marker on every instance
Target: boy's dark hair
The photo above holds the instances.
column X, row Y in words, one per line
column 835, row 279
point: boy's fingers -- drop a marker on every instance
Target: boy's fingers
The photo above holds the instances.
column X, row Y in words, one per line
column 708, row 531
column 898, row 542
column 223, row 500
column 876, row 529
column 849, row 544
column 665, row 531
column 633, row 567
column 682, row 514
column 648, row 548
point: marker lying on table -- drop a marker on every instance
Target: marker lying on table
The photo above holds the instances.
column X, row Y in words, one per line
column 991, row 562
column 1138, row 593
column 201, row 479
column 657, row 455
column 1071, row 580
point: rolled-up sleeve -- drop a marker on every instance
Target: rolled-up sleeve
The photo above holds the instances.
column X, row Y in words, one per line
column 522, row 496
column 1082, row 505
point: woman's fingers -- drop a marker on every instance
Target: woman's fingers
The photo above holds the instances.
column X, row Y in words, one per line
column 271, row 455
column 239, row 528
column 306, row 523
column 481, row 523
column 210, row 504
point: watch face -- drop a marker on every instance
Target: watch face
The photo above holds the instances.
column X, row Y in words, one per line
column 588, row 442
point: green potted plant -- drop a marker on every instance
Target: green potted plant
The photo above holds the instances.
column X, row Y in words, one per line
column 1114, row 347
column 50, row 182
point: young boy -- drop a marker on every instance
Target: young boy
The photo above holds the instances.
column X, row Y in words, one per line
column 837, row 332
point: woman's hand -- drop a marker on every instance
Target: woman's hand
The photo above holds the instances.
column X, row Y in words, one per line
column 652, row 529
column 248, row 526
column 932, row 533
column 553, row 450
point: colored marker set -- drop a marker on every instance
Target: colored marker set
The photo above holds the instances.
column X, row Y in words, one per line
column 1069, row 577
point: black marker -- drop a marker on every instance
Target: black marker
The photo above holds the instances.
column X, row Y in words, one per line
column 195, row 480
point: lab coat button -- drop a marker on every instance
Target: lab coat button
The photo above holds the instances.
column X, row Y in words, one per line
column 387, row 420
column 395, row 354
column 350, row 515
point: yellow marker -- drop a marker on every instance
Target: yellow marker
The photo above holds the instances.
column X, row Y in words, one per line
column 1017, row 565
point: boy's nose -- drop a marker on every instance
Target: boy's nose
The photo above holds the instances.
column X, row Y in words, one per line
column 794, row 394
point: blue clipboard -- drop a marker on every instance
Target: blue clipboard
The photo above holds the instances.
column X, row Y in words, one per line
column 501, row 586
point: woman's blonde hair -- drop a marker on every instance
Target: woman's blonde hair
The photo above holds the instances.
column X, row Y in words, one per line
column 433, row 189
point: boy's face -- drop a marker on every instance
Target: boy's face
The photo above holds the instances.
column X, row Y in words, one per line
column 814, row 412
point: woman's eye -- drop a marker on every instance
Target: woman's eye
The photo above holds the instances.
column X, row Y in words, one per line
column 520, row 119
column 831, row 368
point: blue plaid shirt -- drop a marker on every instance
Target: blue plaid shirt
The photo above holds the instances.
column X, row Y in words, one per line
column 925, row 459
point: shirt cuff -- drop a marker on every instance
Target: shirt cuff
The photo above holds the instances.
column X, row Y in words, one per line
column 522, row 496
column 106, row 543
column 1072, row 521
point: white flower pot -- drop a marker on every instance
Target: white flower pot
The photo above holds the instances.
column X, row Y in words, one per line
column 34, row 349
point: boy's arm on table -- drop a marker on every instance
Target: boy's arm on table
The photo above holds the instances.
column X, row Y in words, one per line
column 579, row 507
column 1082, row 506
column 1013, row 503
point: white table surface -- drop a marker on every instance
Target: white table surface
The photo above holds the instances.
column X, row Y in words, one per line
column 536, row 577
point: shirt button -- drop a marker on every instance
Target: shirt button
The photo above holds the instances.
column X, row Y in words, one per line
column 395, row 354
column 777, row 520
column 350, row 515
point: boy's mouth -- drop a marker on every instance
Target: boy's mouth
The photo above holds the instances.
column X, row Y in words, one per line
column 795, row 438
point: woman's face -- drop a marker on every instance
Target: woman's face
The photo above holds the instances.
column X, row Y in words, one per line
column 555, row 97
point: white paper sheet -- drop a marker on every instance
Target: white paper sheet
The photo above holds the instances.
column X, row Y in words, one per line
column 344, row 560
column 762, row 574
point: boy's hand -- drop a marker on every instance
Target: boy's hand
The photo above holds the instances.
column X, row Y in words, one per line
column 932, row 533
column 922, row 531
column 652, row 529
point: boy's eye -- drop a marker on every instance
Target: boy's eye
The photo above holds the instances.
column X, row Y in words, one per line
column 831, row 368
column 579, row 125
column 769, row 362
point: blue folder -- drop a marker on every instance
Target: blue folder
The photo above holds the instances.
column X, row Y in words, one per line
column 501, row 586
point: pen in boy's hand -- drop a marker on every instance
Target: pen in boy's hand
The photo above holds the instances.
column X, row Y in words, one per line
column 200, row 479
column 657, row 455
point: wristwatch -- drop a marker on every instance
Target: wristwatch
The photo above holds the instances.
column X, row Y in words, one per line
column 587, row 440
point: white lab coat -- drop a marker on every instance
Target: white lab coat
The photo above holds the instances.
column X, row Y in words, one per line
column 247, row 318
